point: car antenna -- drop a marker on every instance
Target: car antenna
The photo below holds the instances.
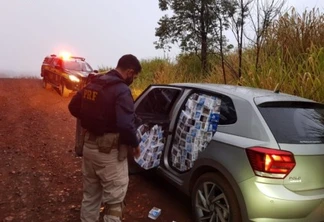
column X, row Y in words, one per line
column 276, row 89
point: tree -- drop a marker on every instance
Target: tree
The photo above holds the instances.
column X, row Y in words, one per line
column 238, row 22
column 224, row 11
column 193, row 26
column 266, row 12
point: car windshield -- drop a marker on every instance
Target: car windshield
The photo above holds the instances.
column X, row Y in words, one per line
column 77, row 66
column 295, row 122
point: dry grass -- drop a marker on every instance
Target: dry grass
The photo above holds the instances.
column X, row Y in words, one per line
column 292, row 60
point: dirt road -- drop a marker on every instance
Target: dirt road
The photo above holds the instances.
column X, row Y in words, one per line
column 40, row 177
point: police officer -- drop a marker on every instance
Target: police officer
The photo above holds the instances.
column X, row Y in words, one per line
column 106, row 110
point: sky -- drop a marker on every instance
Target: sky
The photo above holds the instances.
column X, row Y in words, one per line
column 99, row 30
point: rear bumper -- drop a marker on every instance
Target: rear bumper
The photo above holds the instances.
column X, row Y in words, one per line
column 275, row 203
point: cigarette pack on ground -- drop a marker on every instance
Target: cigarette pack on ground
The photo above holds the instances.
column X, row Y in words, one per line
column 154, row 213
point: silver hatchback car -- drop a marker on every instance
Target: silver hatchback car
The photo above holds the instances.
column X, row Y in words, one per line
column 241, row 154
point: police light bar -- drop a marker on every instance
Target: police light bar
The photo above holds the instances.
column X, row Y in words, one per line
column 78, row 57
column 65, row 55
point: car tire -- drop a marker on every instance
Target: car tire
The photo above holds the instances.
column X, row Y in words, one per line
column 213, row 199
column 46, row 85
column 65, row 92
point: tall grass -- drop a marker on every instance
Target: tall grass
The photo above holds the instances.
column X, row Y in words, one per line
column 164, row 71
column 291, row 60
column 302, row 75
column 292, row 56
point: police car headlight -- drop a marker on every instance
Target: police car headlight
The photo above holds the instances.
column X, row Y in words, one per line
column 74, row 78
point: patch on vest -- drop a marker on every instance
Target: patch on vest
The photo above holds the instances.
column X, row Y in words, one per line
column 89, row 94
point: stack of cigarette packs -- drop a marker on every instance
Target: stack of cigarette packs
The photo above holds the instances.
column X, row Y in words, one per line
column 151, row 145
column 196, row 126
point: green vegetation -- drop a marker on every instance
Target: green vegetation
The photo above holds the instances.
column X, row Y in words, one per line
column 197, row 26
column 291, row 59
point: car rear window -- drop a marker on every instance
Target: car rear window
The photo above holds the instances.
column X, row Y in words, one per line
column 295, row 122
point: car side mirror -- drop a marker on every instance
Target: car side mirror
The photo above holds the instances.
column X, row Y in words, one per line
column 95, row 71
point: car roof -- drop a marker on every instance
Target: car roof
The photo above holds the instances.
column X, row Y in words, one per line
column 52, row 56
column 255, row 95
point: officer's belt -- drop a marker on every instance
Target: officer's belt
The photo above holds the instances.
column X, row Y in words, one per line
column 92, row 137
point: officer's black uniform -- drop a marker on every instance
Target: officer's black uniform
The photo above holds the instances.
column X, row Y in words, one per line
column 119, row 108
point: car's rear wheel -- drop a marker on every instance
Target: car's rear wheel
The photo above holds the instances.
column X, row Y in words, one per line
column 46, row 85
column 65, row 92
column 213, row 199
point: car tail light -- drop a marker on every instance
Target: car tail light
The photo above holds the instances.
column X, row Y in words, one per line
column 270, row 163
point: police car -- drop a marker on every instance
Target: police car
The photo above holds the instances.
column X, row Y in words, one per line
column 66, row 73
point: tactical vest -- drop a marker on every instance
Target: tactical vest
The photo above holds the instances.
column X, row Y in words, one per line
column 93, row 107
